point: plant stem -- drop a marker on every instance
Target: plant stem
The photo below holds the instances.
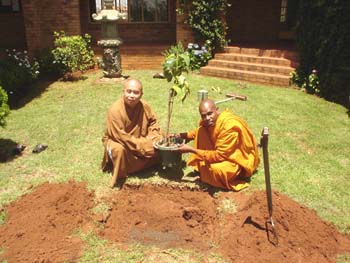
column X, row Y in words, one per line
column 170, row 109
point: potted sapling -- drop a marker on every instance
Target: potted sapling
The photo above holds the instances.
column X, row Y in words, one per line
column 175, row 65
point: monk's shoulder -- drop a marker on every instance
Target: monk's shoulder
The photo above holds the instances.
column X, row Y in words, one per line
column 116, row 107
column 229, row 120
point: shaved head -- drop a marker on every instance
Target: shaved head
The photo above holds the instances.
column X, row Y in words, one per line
column 132, row 92
column 206, row 104
column 209, row 112
column 134, row 83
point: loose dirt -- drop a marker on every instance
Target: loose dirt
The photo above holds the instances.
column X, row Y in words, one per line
column 40, row 225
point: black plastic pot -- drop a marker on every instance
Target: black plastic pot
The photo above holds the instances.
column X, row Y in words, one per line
column 170, row 158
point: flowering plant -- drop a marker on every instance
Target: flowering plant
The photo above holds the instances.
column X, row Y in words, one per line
column 199, row 55
column 17, row 70
column 21, row 58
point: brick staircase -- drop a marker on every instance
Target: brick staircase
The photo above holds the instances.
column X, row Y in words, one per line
column 140, row 56
column 261, row 65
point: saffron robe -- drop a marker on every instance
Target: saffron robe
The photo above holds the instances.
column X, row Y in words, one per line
column 129, row 139
column 227, row 152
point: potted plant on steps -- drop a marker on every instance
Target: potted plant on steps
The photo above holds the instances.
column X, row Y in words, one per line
column 176, row 64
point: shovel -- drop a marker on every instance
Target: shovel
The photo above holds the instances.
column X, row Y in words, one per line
column 270, row 226
column 232, row 96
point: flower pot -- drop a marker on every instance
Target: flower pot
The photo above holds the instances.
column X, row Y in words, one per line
column 170, row 158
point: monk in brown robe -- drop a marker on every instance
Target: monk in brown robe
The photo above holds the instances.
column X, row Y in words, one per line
column 131, row 129
column 225, row 151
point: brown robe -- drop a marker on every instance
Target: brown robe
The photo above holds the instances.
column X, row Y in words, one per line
column 129, row 136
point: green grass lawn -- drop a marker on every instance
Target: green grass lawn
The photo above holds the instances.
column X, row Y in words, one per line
column 309, row 142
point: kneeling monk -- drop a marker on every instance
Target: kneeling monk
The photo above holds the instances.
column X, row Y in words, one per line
column 131, row 129
column 225, row 151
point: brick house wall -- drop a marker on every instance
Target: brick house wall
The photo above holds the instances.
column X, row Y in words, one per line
column 12, row 31
column 248, row 20
column 184, row 32
column 130, row 33
column 253, row 20
column 43, row 17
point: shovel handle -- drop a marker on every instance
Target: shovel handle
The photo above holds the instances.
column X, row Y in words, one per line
column 236, row 96
column 264, row 144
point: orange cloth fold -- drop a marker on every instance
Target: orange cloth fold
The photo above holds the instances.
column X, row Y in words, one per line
column 227, row 152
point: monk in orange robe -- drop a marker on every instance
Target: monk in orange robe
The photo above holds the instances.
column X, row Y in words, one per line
column 225, row 150
column 131, row 129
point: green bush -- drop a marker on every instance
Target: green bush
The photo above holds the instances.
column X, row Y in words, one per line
column 72, row 53
column 323, row 38
column 311, row 84
column 4, row 108
column 17, row 70
column 205, row 18
column 47, row 66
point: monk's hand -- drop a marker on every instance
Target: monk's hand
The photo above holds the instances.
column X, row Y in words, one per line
column 184, row 148
column 182, row 135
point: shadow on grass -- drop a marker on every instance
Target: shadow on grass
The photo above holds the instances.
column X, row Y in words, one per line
column 170, row 173
column 175, row 174
column 8, row 150
column 28, row 93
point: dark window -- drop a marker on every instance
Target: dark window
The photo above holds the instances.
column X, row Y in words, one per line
column 10, row 6
column 283, row 16
column 137, row 10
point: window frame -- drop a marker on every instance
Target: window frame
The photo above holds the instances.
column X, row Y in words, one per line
column 92, row 9
column 8, row 9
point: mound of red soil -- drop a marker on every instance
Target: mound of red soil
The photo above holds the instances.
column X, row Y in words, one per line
column 191, row 219
column 40, row 224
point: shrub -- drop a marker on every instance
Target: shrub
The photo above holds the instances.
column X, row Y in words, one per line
column 205, row 18
column 323, row 38
column 47, row 66
column 199, row 55
column 4, row 108
column 72, row 53
column 311, row 84
column 17, row 71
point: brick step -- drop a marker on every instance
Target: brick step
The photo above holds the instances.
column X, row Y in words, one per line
column 254, row 67
column 276, row 53
column 254, row 59
column 265, row 78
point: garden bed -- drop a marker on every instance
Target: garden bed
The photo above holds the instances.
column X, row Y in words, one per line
column 39, row 226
